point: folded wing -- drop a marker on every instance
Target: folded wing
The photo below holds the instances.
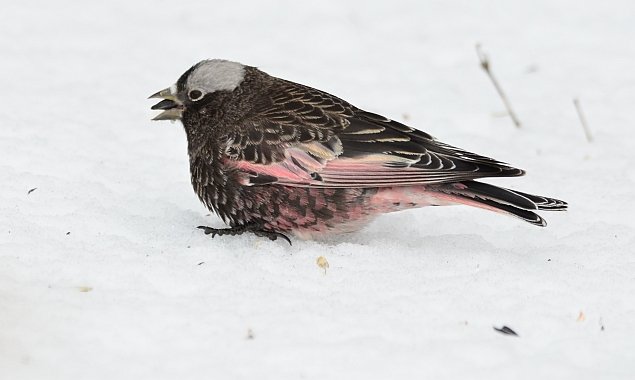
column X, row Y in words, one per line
column 305, row 137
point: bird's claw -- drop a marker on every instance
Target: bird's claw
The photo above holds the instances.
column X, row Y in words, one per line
column 272, row 235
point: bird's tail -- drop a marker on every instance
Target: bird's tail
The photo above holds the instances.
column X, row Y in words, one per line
column 520, row 205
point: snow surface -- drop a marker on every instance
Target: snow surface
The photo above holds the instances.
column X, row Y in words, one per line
column 104, row 276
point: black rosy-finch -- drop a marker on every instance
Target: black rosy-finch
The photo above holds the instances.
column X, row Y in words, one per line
column 273, row 157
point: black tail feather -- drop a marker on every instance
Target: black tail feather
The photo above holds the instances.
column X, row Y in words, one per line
column 527, row 216
column 508, row 201
column 544, row 203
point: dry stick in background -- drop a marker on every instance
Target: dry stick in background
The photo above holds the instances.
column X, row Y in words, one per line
column 585, row 126
column 486, row 66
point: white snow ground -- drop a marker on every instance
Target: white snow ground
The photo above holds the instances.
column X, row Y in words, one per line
column 103, row 275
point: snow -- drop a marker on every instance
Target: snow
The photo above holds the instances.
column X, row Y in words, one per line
column 103, row 274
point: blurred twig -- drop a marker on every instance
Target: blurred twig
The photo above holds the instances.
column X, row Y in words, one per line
column 486, row 66
column 585, row 125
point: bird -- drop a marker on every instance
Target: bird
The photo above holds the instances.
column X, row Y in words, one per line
column 277, row 158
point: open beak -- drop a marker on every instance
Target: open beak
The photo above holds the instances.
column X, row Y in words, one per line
column 171, row 105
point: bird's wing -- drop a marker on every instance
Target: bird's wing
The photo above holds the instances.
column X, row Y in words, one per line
column 300, row 136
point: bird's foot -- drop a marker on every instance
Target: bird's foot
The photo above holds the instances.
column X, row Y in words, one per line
column 256, row 229
column 236, row 230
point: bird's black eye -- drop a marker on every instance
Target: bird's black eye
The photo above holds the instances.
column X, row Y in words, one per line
column 195, row 94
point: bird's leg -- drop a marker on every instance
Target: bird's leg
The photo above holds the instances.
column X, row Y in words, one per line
column 256, row 229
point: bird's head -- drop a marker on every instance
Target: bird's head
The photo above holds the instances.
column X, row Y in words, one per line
column 197, row 86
